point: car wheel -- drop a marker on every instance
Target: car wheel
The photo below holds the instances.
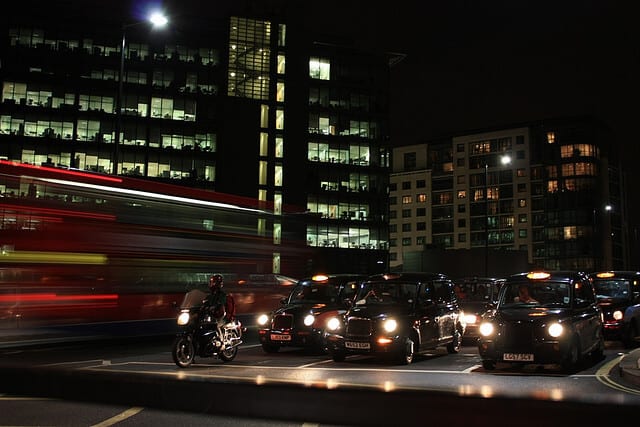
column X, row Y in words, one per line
column 407, row 353
column 456, row 343
column 489, row 365
column 270, row 348
column 598, row 354
column 570, row 363
column 338, row 356
column 629, row 340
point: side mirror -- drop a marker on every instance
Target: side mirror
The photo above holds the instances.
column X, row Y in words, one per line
column 283, row 301
column 347, row 302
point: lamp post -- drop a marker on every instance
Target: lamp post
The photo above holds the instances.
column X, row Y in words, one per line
column 504, row 160
column 157, row 20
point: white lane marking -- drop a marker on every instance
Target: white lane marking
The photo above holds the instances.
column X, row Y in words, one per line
column 120, row 417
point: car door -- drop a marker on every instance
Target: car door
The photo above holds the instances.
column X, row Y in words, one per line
column 587, row 319
column 426, row 314
column 445, row 309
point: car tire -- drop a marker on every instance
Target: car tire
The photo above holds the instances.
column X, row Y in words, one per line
column 454, row 346
column 407, row 353
column 338, row 356
column 598, row 354
column 270, row 348
column 570, row 363
column 629, row 339
column 489, row 365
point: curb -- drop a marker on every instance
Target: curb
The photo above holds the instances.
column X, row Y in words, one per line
column 630, row 367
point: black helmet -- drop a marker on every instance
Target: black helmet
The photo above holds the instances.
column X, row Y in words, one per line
column 215, row 282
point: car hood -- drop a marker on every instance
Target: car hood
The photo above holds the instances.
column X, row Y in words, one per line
column 303, row 309
column 534, row 314
column 476, row 307
column 613, row 303
column 379, row 311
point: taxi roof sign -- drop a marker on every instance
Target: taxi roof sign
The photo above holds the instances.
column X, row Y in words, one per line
column 605, row 274
column 320, row 278
column 538, row 275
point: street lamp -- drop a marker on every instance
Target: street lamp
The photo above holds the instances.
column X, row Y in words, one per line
column 504, row 160
column 157, row 20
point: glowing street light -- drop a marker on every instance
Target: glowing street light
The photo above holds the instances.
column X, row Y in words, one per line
column 504, row 160
column 157, row 20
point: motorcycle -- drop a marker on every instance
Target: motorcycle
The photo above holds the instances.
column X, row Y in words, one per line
column 203, row 334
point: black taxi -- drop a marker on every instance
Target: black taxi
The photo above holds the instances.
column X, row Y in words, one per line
column 543, row 318
column 397, row 315
column 301, row 318
column 618, row 294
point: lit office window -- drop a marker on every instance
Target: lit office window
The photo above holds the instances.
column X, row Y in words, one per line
column 319, row 68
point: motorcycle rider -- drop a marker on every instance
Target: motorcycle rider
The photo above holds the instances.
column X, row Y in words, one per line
column 217, row 299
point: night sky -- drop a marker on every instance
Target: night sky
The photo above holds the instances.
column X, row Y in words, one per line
column 477, row 64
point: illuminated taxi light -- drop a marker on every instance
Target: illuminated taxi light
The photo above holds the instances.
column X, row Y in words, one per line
column 320, row 278
column 309, row 319
column 36, row 257
column 263, row 319
column 605, row 275
column 383, row 340
column 390, row 325
column 555, row 330
column 618, row 315
column 333, row 324
column 486, row 329
column 538, row 275
column 183, row 318
column 470, row 319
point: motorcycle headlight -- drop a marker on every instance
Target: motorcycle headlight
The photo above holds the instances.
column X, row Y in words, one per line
column 486, row 329
column 618, row 315
column 309, row 319
column 333, row 324
column 183, row 318
column 555, row 330
column 263, row 319
column 390, row 325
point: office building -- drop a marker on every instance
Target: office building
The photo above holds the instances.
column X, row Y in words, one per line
column 241, row 99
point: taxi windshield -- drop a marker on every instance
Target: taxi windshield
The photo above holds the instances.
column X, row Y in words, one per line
column 612, row 289
column 313, row 293
column 527, row 294
column 386, row 294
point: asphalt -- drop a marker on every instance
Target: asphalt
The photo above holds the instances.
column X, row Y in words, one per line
column 629, row 364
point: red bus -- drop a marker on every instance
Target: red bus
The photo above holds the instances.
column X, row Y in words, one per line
column 82, row 248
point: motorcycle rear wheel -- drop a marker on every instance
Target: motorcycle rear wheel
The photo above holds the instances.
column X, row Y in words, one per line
column 183, row 351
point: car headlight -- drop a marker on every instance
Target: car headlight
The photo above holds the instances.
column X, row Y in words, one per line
column 470, row 319
column 555, row 330
column 618, row 315
column 183, row 318
column 486, row 329
column 309, row 319
column 333, row 324
column 390, row 325
column 263, row 319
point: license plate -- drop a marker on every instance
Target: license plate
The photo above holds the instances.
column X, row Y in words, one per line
column 275, row 337
column 357, row 345
column 518, row 357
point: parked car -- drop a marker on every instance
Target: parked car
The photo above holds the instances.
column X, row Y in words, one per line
column 543, row 318
column 618, row 294
column 396, row 316
column 301, row 318
column 475, row 296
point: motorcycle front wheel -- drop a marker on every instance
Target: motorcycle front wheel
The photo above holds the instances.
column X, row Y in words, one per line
column 183, row 351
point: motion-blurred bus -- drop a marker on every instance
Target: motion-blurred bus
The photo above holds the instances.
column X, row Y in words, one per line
column 82, row 248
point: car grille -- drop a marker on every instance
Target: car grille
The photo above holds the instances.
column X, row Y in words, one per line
column 357, row 327
column 282, row 321
column 518, row 336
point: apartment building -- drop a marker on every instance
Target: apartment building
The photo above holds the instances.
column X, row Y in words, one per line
column 550, row 189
